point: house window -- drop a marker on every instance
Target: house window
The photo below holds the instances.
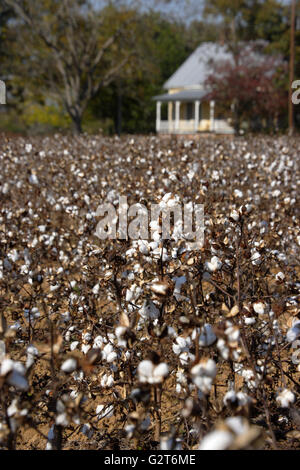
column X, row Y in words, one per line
column 164, row 111
column 190, row 109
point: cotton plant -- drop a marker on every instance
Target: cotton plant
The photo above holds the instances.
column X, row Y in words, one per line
column 229, row 341
column 68, row 410
column 234, row 433
column 138, row 423
column 104, row 411
column 14, row 373
column 294, row 332
column 285, row 398
column 181, row 347
column 152, row 374
column 206, row 335
column 237, row 400
column 203, row 375
column 91, row 311
column 214, row 264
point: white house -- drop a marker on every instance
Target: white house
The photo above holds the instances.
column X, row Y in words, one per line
column 188, row 110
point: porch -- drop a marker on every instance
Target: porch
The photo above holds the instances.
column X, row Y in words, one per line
column 187, row 112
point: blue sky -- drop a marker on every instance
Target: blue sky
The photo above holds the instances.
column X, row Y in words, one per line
column 183, row 9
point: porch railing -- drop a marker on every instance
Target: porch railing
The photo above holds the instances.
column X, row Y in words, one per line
column 220, row 126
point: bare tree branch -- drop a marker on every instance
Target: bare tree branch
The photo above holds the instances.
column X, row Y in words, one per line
column 74, row 50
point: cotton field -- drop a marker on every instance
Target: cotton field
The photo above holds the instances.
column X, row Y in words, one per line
column 149, row 343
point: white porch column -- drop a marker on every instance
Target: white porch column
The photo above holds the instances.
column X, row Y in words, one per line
column 170, row 116
column 212, row 115
column 197, row 107
column 158, row 115
column 2, row 92
column 177, row 115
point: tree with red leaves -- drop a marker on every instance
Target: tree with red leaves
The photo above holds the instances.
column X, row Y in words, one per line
column 251, row 84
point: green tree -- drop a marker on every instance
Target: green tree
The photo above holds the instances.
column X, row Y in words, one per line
column 161, row 47
column 74, row 51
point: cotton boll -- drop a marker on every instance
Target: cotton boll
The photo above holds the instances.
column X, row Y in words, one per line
column 2, row 351
column 108, row 353
column 111, row 357
column 186, row 357
column 103, row 411
column 32, row 353
column 107, row 381
column 280, row 276
column 181, row 377
column 238, row 193
column 18, row 380
column 145, row 370
column 120, row 331
column 169, row 443
column 230, row 398
column 203, row 374
column 256, row 258
column 160, row 372
column 86, row 336
column 69, row 365
column 171, row 332
column 223, row 348
column 214, row 264
column 159, row 288
column 294, row 332
column 6, row 366
column 259, row 307
column 216, row 440
column 85, row 348
column 179, row 281
column 207, row 336
column 33, row 179
column 243, row 398
column 181, row 345
column 87, row 430
column 149, row 373
column 96, row 289
column 248, row 375
column 234, row 215
column 237, row 424
column 149, row 310
column 50, row 438
column 285, row 398
column 144, row 247
column 62, row 420
column 233, row 335
column 98, row 342
column 74, row 345
column 13, row 255
column 54, row 288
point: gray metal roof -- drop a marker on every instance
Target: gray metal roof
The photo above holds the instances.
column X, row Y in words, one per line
column 184, row 95
column 196, row 68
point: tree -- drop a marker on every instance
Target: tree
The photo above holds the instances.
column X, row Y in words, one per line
column 74, row 49
column 248, row 20
column 161, row 46
column 249, row 87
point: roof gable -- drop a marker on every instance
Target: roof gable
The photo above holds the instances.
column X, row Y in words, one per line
column 194, row 71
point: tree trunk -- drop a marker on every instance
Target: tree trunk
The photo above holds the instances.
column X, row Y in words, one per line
column 77, row 124
column 118, row 125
